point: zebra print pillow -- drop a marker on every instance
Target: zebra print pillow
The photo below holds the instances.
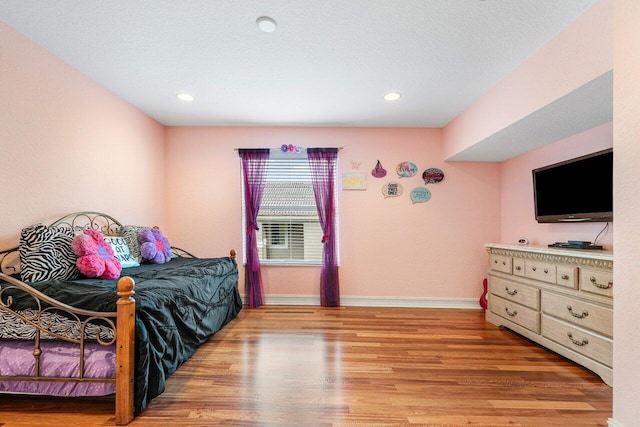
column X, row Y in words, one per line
column 130, row 235
column 45, row 254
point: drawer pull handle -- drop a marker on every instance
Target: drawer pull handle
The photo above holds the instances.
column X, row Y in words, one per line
column 546, row 271
column 518, row 268
column 576, row 342
column 600, row 285
column 495, row 261
column 504, row 263
column 584, row 313
column 513, row 292
column 565, row 277
column 511, row 313
column 533, row 268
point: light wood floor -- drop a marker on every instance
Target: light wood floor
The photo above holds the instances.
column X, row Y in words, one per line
column 308, row 366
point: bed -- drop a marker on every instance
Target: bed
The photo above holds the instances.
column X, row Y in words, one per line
column 91, row 337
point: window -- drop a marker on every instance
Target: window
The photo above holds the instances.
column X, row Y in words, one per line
column 289, row 228
column 285, row 241
column 277, row 234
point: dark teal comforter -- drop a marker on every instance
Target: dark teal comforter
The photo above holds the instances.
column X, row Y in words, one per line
column 179, row 305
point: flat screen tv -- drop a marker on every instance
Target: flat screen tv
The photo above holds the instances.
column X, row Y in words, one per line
column 576, row 190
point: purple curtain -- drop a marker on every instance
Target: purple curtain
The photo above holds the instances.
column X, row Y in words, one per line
column 254, row 167
column 322, row 162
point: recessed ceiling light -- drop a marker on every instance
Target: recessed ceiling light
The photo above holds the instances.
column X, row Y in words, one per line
column 392, row 96
column 266, row 24
column 184, row 96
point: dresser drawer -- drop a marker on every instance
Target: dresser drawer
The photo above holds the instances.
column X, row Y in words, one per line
column 516, row 313
column 500, row 263
column 596, row 281
column 567, row 276
column 580, row 313
column 515, row 292
column 581, row 341
column 518, row 267
column 540, row 271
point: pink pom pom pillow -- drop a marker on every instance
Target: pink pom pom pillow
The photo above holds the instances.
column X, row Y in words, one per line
column 154, row 247
column 95, row 256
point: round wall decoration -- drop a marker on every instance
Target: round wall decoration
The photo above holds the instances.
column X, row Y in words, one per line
column 406, row 169
column 392, row 189
column 291, row 148
column 420, row 195
column 432, row 176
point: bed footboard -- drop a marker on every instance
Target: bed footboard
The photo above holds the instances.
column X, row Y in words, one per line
column 124, row 327
column 125, row 336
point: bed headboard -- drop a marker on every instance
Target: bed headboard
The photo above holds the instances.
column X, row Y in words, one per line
column 105, row 224
column 78, row 221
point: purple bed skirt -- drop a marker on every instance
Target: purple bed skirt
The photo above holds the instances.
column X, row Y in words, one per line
column 58, row 359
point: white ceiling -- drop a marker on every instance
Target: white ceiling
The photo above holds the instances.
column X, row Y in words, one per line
column 328, row 63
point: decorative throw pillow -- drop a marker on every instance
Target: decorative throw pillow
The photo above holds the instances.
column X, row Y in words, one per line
column 45, row 254
column 95, row 256
column 121, row 251
column 154, row 246
column 130, row 235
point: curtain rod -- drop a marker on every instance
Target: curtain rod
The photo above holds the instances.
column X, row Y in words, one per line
column 279, row 148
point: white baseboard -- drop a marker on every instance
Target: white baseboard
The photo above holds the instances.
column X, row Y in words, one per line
column 612, row 423
column 376, row 301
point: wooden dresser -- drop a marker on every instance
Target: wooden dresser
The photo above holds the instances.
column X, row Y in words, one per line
column 560, row 298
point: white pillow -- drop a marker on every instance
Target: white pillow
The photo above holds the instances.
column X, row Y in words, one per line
column 121, row 251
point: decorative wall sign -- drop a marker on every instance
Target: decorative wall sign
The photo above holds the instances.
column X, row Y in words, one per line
column 432, row 176
column 355, row 165
column 406, row 169
column 379, row 171
column 354, row 181
column 420, row 195
column 392, row 189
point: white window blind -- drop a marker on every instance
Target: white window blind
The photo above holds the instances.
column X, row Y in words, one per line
column 289, row 228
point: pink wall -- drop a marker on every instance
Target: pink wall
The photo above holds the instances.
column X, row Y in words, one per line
column 59, row 128
column 579, row 54
column 389, row 247
column 518, row 220
column 626, row 269
column 68, row 144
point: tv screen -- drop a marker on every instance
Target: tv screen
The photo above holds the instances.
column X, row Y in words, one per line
column 577, row 190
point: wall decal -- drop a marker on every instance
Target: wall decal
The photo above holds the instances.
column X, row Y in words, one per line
column 379, row 171
column 354, row 181
column 406, row 169
column 432, row 176
column 392, row 189
column 420, row 195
